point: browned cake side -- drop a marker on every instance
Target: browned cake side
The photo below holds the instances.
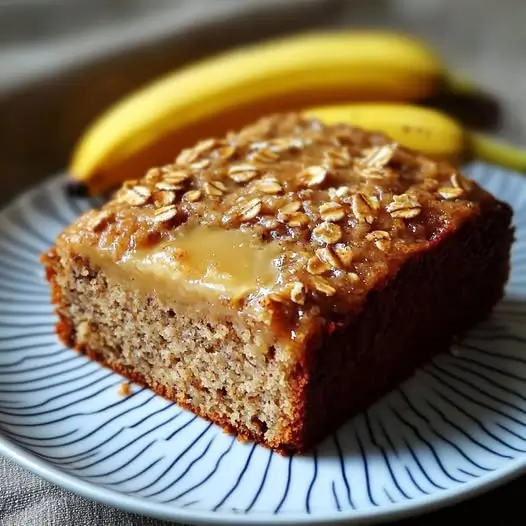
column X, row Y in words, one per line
column 379, row 258
column 436, row 296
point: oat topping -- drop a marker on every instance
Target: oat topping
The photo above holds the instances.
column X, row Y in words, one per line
column 344, row 253
column 353, row 277
column 327, row 233
column 200, row 165
column 378, row 157
column 250, row 210
column 312, row 176
column 164, row 185
column 297, row 219
column 164, row 198
column 264, row 156
column 241, row 173
column 187, row 156
column 428, row 167
column 165, row 213
column 316, row 266
column 455, row 181
column 97, row 222
column 192, row 196
column 176, row 176
column 429, row 184
column 404, row 205
column 268, row 185
column 269, row 223
column 214, row 188
column 153, row 174
column 277, row 145
column 326, row 255
column 136, row 196
column 224, row 153
column 374, row 161
column 381, row 238
column 343, row 204
column 448, row 192
column 332, row 211
column 339, row 193
column 204, row 146
column 290, row 208
column 322, row 285
column 363, row 207
column 338, row 158
column 142, row 191
column 297, row 293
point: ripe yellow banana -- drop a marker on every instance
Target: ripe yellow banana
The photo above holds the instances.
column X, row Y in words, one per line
column 425, row 130
column 422, row 129
column 227, row 91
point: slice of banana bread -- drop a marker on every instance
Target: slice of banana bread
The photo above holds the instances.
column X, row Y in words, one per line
column 281, row 279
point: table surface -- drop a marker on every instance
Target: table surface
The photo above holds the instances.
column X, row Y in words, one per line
column 483, row 39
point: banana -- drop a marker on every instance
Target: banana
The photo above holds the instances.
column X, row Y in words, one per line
column 416, row 127
column 230, row 90
column 426, row 130
column 496, row 152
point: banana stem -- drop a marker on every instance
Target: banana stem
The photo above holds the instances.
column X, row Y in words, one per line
column 461, row 85
column 497, row 152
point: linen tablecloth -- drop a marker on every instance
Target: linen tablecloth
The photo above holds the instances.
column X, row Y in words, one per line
column 62, row 61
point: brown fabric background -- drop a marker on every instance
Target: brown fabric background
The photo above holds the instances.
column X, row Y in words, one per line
column 62, row 61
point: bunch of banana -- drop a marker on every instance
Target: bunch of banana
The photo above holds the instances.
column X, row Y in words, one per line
column 227, row 91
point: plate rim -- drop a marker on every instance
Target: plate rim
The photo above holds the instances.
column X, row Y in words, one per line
column 134, row 504
column 393, row 511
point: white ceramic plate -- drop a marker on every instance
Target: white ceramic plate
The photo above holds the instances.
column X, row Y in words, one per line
column 458, row 427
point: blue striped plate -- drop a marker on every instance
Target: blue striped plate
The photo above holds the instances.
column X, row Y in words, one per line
column 456, row 428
